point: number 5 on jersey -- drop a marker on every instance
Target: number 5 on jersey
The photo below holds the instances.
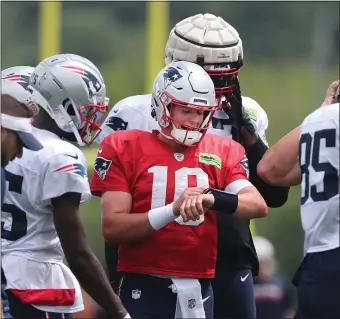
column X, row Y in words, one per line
column 310, row 151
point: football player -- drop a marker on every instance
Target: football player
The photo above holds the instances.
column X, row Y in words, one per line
column 15, row 131
column 214, row 44
column 40, row 220
column 19, row 77
column 151, row 187
column 311, row 157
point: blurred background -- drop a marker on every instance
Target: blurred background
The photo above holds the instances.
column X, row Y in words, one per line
column 291, row 55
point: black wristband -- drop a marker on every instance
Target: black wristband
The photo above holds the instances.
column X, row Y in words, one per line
column 224, row 202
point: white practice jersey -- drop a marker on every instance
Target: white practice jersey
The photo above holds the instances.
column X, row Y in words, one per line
column 134, row 112
column 32, row 257
column 319, row 162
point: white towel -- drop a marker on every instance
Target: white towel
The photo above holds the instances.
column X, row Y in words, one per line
column 189, row 298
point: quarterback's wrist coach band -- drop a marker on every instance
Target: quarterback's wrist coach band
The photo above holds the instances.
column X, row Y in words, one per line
column 161, row 216
column 224, row 202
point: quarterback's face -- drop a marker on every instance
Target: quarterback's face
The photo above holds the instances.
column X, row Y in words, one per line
column 186, row 116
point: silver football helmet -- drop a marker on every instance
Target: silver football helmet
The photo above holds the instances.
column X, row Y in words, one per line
column 183, row 84
column 15, row 82
column 71, row 90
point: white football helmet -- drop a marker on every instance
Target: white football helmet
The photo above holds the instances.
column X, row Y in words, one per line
column 71, row 90
column 15, row 82
column 210, row 42
column 183, row 84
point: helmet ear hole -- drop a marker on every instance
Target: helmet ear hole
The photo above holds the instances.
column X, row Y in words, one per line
column 67, row 104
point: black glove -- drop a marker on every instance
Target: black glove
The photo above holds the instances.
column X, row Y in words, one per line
column 237, row 113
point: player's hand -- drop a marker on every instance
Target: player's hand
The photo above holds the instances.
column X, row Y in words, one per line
column 208, row 201
column 190, row 191
column 240, row 118
column 193, row 207
column 332, row 93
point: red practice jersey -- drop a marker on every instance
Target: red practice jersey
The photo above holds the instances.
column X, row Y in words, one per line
column 138, row 163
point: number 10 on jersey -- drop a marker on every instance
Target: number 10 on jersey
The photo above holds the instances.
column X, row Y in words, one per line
column 160, row 185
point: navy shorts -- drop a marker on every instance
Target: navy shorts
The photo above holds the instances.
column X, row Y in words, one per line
column 233, row 293
column 318, row 285
column 146, row 296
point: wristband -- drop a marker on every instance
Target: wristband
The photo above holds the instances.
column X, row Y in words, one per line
column 161, row 216
column 224, row 202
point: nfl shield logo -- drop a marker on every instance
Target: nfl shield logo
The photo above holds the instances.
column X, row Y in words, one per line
column 191, row 303
column 136, row 294
column 179, row 157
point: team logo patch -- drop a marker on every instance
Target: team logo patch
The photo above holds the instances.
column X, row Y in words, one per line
column 179, row 157
column 210, row 159
column 101, row 166
column 116, row 123
column 75, row 168
column 136, row 294
column 251, row 113
column 191, row 303
column 244, row 163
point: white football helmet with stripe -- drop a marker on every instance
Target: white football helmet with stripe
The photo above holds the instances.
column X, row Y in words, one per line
column 72, row 91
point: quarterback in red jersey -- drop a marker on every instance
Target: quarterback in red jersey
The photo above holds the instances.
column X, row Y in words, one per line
column 159, row 191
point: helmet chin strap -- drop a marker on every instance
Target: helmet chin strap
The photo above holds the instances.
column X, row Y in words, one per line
column 72, row 126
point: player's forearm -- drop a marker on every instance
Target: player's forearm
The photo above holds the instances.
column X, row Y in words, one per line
column 292, row 178
column 248, row 204
column 121, row 227
column 251, row 205
column 273, row 195
column 88, row 270
column 280, row 158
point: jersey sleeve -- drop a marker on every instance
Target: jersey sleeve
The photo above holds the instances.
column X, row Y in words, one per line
column 258, row 117
column 65, row 173
column 109, row 170
column 122, row 117
column 237, row 173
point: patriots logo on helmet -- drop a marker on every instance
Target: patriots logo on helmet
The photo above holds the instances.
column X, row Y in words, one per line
column 75, row 168
column 171, row 75
column 88, row 78
column 116, row 123
column 21, row 79
column 101, row 166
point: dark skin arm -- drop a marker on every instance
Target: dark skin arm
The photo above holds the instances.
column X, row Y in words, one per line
column 275, row 196
column 80, row 257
